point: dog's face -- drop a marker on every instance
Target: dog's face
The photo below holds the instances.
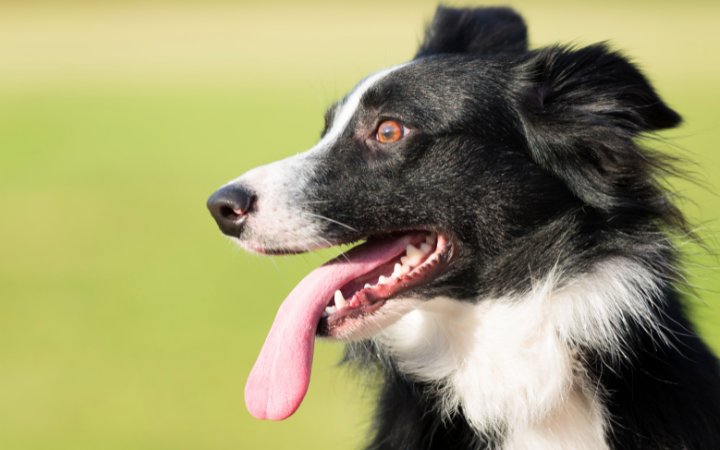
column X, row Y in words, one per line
column 432, row 147
column 443, row 165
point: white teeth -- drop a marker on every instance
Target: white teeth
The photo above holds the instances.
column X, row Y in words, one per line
column 397, row 271
column 340, row 302
column 414, row 255
column 412, row 251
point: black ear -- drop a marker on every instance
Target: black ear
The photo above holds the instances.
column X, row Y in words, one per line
column 474, row 30
column 581, row 110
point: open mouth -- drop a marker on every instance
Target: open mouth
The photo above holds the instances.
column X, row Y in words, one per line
column 342, row 298
column 410, row 260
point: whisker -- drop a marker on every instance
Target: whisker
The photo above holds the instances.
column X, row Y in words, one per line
column 337, row 222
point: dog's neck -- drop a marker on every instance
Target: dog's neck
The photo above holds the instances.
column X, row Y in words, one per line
column 511, row 364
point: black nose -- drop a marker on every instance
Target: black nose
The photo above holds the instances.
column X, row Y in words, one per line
column 229, row 207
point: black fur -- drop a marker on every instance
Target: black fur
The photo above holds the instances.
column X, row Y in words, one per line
column 529, row 160
column 576, row 113
column 407, row 407
column 480, row 31
column 666, row 394
column 581, row 109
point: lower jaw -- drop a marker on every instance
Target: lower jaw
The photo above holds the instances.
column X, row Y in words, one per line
column 370, row 324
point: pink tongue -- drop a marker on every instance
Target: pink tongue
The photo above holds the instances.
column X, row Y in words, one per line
column 279, row 380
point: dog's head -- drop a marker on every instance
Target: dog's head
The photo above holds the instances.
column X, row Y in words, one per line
column 445, row 166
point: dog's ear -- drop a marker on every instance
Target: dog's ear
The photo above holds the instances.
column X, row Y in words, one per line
column 474, row 30
column 581, row 110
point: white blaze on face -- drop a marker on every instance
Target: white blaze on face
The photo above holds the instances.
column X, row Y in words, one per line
column 345, row 112
column 280, row 218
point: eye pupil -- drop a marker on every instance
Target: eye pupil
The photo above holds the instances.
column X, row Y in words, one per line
column 389, row 131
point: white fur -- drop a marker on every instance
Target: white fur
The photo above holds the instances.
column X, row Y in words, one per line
column 279, row 219
column 347, row 110
column 510, row 363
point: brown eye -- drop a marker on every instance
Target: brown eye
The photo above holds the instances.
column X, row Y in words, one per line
column 390, row 131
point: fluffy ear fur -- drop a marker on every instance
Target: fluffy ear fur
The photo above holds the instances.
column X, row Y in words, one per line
column 581, row 110
column 474, row 30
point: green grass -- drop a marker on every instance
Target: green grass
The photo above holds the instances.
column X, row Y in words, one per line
column 126, row 321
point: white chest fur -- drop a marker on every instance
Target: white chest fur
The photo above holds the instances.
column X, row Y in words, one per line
column 508, row 362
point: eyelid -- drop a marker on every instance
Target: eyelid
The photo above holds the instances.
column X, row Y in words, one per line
column 402, row 122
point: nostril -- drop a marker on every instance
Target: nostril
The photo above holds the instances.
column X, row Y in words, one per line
column 228, row 212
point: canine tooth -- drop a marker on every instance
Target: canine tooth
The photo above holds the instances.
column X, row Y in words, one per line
column 340, row 302
column 425, row 248
column 329, row 310
column 414, row 255
column 413, row 251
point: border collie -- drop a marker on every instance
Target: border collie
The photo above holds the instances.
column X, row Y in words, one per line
column 516, row 279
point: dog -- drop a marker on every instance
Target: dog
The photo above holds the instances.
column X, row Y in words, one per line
column 516, row 278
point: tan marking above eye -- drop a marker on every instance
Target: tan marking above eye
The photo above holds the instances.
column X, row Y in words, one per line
column 389, row 131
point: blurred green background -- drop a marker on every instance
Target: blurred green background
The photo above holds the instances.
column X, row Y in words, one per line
column 126, row 320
